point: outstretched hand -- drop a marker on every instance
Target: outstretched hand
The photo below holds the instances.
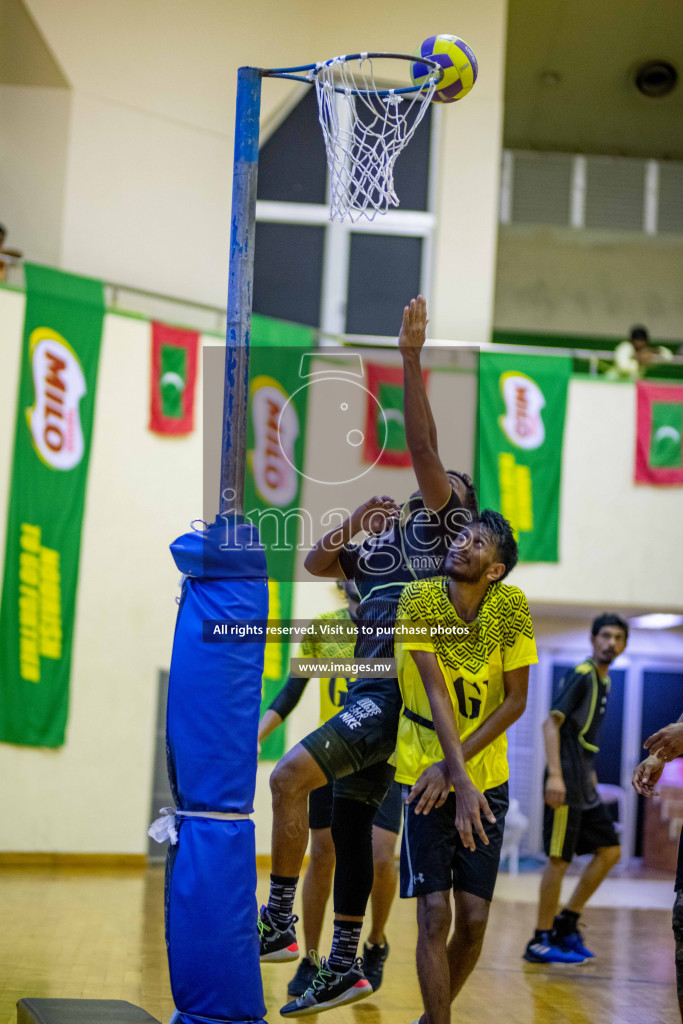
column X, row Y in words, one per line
column 412, row 335
column 646, row 775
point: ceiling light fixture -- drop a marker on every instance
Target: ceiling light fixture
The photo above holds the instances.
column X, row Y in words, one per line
column 657, row 620
column 656, row 78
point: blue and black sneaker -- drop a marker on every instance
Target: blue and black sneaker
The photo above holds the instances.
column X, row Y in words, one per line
column 573, row 943
column 540, row 950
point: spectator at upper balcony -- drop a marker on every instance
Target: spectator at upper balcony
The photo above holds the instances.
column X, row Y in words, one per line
column 632, row 358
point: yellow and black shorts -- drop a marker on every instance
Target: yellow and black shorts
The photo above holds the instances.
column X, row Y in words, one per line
column 571, row 830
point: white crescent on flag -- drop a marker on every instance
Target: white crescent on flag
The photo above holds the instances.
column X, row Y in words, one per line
column 667, row 432
column 174, row 379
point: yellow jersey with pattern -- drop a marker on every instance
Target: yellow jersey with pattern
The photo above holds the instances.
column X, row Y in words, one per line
column 333, row 689
column 473, row 657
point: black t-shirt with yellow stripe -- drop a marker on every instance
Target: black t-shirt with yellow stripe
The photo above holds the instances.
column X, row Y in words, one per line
column 580, row 706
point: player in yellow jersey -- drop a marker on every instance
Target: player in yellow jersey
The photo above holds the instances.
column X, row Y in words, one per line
column 387, row 823
column 464, row 643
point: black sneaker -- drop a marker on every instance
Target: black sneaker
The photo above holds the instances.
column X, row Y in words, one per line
column 329, row 989
column 277, row 946
column 374, row 958
column 303, row 978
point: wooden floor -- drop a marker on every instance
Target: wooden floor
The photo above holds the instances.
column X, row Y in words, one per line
column 99, row 934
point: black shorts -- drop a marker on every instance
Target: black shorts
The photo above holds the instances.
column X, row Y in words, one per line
column 572, row 830
column 353, row 748
column 433, row 858
column 388, row 815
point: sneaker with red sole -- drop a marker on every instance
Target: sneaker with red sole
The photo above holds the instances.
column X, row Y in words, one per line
column 277, row 945
column 329, row 989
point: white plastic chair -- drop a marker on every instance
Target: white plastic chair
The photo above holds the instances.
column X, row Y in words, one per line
column 516, row 825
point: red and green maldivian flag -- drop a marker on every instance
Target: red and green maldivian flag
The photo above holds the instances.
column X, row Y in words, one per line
column 659, row 418
column 385, row 434
column 174, row 375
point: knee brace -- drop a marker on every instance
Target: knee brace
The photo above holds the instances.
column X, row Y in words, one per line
column 352, row 836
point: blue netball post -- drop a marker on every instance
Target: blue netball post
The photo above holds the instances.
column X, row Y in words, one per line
column 215, row 688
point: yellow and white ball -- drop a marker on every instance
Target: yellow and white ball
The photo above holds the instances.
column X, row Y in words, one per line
column 457, row 60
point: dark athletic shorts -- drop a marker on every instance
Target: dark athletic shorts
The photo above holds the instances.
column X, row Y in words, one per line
column 388, row 816
column 353, row 748
column 571, row 830
column 433, row 858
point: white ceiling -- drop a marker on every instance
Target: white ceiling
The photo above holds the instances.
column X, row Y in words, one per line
column 569, row 77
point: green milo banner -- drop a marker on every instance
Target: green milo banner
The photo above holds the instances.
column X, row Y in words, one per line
column 276, row 436
column 60, row 354
column 522, row 402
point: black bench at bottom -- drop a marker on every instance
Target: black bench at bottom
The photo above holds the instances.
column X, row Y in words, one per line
column 81, row 1011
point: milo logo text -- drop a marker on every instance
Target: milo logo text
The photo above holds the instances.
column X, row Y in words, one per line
column 59, row 384
column 522, row 423
column 276, row 428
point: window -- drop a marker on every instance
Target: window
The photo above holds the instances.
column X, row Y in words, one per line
column 342, row 278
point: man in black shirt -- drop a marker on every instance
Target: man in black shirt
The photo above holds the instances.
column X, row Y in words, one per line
column 352, row 749
column 575, row 820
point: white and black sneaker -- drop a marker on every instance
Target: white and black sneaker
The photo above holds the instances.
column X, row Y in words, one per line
column 277, row 945
column 329, row 989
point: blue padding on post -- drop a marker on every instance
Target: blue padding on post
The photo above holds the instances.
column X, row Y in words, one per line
column 214, row 691
column 211, row 921
column 226, row 550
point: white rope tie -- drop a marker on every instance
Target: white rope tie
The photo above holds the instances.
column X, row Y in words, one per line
column 165, row 828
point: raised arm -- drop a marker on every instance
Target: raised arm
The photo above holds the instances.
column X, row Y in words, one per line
column 469, row 802
column 419, row 422
column 372, row 515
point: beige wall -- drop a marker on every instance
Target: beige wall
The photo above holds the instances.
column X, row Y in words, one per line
column 586, row 282
column 34, row 127
column 617, row 542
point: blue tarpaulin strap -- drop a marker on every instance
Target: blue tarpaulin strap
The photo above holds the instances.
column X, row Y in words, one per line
column 212, row 722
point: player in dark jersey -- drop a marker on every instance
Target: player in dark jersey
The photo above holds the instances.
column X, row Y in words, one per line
column 352, row 749
column 665, row 745
column 575, row 820
column 387, row 824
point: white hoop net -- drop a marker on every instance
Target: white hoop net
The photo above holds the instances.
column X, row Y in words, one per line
column 364, row 132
